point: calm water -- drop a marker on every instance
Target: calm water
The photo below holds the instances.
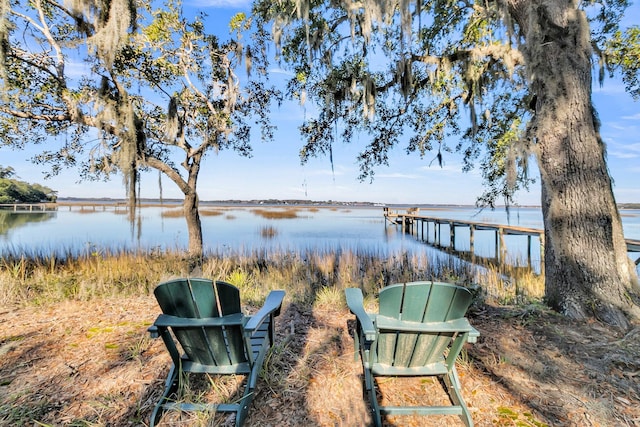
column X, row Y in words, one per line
column 239, row 230
column 236, row 229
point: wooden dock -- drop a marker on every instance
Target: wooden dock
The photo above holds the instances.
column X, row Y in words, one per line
column 29, row 207
column 633, row 246
column 429, row 230
column 73, row 206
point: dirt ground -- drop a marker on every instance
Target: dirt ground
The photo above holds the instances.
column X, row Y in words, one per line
column 93, row 364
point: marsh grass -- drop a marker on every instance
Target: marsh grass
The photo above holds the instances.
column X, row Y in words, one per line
column 39, row 278
column 268, row 232
column 288, row 213
column 508, row 285
column 211, row 212
column 308, row 276
column 172, row 213
column 179, row 213
column 84, row 210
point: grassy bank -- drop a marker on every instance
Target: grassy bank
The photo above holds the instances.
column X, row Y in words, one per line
column 74, row 350
column 39, row 278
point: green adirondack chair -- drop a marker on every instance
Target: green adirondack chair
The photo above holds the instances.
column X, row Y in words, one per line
column 419, row 330
column 204, row 317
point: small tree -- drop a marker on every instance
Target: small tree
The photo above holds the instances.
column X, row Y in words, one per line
column 158, row 86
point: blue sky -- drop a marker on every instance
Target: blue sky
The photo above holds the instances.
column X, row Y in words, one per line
column 275, row 172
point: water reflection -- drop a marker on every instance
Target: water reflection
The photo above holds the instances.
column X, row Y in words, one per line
column 13, row 220
column 246, row 229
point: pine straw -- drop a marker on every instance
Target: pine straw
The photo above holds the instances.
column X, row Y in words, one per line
column 91, row 363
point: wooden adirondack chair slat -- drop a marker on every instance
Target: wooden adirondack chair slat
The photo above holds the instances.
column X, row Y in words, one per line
column 419, row 331
column 205, row 331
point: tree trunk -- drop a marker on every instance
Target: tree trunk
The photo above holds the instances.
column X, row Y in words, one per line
column 194, row 227
column 587, row 269
column 191, row 201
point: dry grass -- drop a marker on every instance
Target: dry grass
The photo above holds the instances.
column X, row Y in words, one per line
column 74, row 348
column 179, row 213
column 288, row 213
column 172, row 213
column 39, row 277
column 268, row 232
column 87, row 211
column 91, row 363
column 211, row 212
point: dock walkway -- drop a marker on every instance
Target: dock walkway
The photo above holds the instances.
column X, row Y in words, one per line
column 29, row 207
column 414, row 223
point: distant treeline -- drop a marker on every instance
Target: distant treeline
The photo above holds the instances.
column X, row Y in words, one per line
column 254, row 202
column 291, row 202
column 16, row 191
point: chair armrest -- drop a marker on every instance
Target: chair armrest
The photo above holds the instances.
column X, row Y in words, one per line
column 272, row 305
column 473, row 335
column 456, row 325
column 168, row 321
column 153, row 331
column 355, row 302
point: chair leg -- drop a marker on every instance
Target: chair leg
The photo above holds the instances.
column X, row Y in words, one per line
column 370, row 389
column 243, row 407
column 249, row 392
column 171, row 386
column 252, row 379
column 453, row 390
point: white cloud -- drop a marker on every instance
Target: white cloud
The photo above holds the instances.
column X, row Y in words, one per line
column 622, row 154
column 634, row 117
column 616, row 126
column 448, row 169
column 624, row 151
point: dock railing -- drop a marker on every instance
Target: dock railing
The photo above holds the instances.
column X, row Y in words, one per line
column 414, row 223
column 29, row 207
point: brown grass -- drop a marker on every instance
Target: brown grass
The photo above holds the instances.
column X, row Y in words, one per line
column 92, row 363
column 178, row 212
column 87, row 211
column 211, row 212
column 268, row 232
column 276, row 214
column 74, row 349
column 172, row 213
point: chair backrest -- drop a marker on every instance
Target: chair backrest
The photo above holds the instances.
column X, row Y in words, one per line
column 423, row 302
column 203, row 298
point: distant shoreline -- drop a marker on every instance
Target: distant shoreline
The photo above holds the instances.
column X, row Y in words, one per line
column 277, row 202
column 79, row 201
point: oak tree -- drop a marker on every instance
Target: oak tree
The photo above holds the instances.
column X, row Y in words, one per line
column 159, row 91
column 507, row 81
